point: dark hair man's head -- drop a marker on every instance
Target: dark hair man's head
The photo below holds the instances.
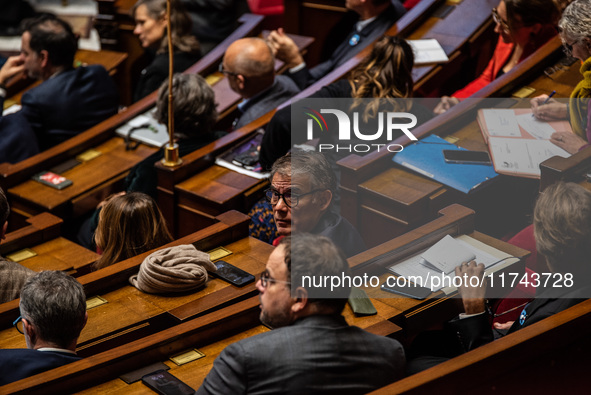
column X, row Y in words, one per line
column 53, row 310
column 289, row 287
column 48, row 45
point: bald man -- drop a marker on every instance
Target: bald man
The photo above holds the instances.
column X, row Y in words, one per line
column 250, row 67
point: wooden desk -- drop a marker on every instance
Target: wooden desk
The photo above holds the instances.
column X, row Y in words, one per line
column 190, row 203
column 12, row 174
column 418, row 315
column 93, row 181
column 130, row 314
column 88, row 191
column 41, row 234
column 193, row 373
column 554, row 349
column 213, row 331
column 374, row 191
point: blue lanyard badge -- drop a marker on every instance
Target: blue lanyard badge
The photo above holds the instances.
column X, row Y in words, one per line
column 522, row 316
column 354, row 40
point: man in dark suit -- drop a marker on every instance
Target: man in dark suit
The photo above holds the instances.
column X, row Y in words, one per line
column 375, row 17
column 53, row 313
column 562, row 230
column 312, row 348
column 70, row 100
column 250, row 67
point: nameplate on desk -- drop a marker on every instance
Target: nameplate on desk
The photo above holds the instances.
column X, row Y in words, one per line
column 219, row 253
column 21, row 255
column 88, row 155
column 95, row 301
column 214, row 78
column 524, row 92
column 187, row 356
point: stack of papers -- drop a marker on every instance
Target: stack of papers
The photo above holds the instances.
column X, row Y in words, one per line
column 427, row 51
column 447, row 254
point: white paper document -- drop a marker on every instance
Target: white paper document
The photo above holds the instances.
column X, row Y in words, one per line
column 522, row 156
column 541, row 130
column 427, row 51
column 502, row 123
column 412, row 269
column 446, row 255
column 146, row 129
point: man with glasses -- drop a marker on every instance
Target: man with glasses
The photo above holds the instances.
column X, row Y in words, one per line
column 249, row 66
column 53, row 313
column 12, row 275
column 301, row 195
column 311, row 348
column 69, row 100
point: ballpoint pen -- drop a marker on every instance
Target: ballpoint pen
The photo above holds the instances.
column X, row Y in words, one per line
column 546, row 101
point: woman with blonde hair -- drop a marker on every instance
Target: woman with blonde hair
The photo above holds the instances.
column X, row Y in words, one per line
column 150, row 27
column 129, row 224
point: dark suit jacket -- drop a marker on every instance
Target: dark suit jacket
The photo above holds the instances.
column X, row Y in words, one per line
column 463, row 335
column 316, row 354
column 16, row 364
column 349, row 48
column 214, row 20
column 69, row 103
column 341, row 232
column 475, row 331
column 17, row 139
column 156, row 72
column 282, row 89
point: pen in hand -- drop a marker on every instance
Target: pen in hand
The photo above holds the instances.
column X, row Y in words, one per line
column 545, row 101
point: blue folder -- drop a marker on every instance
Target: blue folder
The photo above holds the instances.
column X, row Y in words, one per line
column 426, row 157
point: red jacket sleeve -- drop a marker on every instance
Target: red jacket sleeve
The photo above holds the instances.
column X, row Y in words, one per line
column 500, row 56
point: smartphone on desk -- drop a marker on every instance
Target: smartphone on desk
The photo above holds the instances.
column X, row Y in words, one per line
column 165, row 383
column 232, row 274
column 464, row 156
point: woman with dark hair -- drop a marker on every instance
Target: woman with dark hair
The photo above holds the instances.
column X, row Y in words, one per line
column 129, row 225
column 523, row 27
column 150, row 27
column 385, row 74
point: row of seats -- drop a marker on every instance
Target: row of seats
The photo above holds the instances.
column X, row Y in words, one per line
column 168, row 325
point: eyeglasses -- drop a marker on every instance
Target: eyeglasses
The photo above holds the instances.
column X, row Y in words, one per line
column 497, row 19
column 266, row 279
column 291, row 199
column 568, row 48
column 18, row 324
column 224, row 71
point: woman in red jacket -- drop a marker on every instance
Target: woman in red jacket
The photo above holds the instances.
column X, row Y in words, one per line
column 523, row 26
